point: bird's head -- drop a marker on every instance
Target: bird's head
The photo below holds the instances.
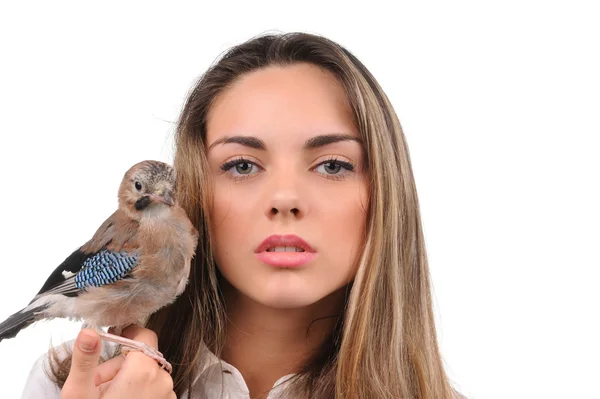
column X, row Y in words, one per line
column 147, row 187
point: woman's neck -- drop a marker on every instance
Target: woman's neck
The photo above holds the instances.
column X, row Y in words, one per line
column 265, row 343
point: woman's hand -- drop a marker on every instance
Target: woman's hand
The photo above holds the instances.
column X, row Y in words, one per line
column 136, row 376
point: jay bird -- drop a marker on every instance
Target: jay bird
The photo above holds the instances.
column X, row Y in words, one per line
column 137, row 262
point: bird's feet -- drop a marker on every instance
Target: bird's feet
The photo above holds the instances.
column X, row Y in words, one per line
column 128, row 345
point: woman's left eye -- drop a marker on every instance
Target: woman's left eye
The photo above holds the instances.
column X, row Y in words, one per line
column 334, row 167
column 240, row 167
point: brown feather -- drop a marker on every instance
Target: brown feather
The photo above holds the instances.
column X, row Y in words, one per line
column 114, row 234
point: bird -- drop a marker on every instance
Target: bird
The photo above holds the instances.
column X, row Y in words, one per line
column 137, row 262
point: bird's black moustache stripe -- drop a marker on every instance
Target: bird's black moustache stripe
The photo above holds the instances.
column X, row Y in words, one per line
column 142, row 203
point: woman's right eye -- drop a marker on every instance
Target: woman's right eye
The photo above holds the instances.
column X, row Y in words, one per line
column 240, row 167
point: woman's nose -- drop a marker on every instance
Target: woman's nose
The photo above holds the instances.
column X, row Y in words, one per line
column 284, row 198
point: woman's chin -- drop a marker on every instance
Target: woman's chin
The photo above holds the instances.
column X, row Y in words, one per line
column 286, row 299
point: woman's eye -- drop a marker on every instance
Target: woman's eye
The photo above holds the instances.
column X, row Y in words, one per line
column 240, row 167
column 243, row 168
column 334, row 167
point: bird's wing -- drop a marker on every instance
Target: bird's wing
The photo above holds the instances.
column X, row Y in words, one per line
column 109, row 256
column 101, row 268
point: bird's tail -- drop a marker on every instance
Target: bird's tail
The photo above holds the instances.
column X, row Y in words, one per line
column 10, row 327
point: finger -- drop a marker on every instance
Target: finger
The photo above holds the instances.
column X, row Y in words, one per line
column 141, row 334
column 86, row 353
column 106, row 371
column 166, row 379
column 137, row 359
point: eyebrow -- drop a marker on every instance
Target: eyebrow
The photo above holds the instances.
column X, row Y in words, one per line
column 325, row 139
column 310, row 144
column 247, row 141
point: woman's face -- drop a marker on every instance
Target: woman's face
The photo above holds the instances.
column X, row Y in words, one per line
column 290, row 189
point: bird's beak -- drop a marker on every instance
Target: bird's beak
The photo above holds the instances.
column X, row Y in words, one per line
column 164, row 198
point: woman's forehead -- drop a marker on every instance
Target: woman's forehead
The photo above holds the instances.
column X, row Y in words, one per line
column 294, row 102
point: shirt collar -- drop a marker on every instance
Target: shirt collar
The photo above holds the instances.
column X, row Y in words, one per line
column 217, row 373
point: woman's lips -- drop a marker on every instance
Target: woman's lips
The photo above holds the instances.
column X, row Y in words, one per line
column 276, row 250
column 285, row 259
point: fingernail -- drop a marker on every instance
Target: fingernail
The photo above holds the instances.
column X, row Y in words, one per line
column 87, row 343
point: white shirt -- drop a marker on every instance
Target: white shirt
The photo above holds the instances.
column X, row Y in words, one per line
column 216, row 379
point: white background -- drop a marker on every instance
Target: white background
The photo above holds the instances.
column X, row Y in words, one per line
column 499, row 102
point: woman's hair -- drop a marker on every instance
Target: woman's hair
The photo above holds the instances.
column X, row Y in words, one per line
column 384, row 344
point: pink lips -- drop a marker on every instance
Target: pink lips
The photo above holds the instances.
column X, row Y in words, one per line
column 284, row 259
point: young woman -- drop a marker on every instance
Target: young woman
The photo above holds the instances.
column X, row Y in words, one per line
column 311, row 276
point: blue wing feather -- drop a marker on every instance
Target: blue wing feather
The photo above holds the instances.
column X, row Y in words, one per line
column 104, row 268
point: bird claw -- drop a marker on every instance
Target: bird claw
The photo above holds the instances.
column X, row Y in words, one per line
column 128, row 345
column 150, row 352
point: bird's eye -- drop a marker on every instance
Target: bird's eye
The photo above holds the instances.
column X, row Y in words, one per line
column 138, row 185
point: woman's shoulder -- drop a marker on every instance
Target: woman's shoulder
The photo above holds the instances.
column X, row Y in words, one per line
column 39, row 385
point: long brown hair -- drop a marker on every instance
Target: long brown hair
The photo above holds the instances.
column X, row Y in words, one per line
column 385, row 344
